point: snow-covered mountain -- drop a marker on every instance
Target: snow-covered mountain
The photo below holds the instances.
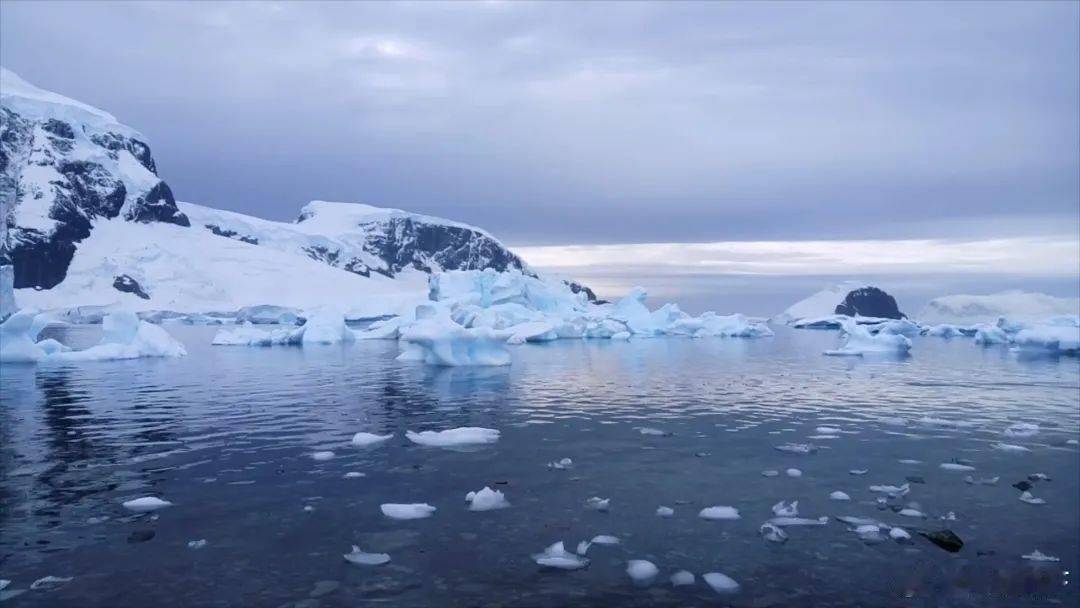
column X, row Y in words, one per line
column 1014, row 305
column 88, row 222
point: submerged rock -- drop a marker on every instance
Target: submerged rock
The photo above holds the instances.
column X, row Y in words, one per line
column 140, row 536
column 946, row 539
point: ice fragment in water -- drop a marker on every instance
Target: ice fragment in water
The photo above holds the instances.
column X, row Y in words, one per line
column 48, row 583
column 324, row 455
column 641, row 570
column 407, row 511
column 1031, row 500
column 146, row 504
column 486, row 500
column 1039, row 556
column 564, row 463
column 783, row 510
column 365, row 439
column 196, row 544
column 665, row 511
column 556, row 556
column 356, row 556
column 1021, row 429
column 797, row 448
column 955, row 466
column 719, row 512
column 467, row 435
column 773, row 533
column 838, row 495
column 682, row 578
column 598, row 504
column 720, row 582
column 793, row 472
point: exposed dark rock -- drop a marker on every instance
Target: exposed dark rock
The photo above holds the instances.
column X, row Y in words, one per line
column 59, row 128
column 232, row 234
column 945, row 539
column 869, row 302
column 127, row 284
column 576, row 287
column 157, row 205
column 1023, row 485
column 141, row 536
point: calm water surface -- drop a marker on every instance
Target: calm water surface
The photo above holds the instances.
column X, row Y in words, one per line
column 227, row 434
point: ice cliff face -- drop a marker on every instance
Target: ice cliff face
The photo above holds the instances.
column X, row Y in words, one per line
column 64, row 164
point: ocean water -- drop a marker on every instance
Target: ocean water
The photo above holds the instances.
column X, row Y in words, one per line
column 227, row 435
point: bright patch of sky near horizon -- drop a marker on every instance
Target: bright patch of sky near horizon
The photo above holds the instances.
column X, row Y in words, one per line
column 613, row 123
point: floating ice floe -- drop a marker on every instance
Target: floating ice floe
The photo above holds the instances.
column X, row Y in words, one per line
column 361, row 558
column 793, row 472
column 770, row 473
column 48, row 583
column 654, row 432
column 1039, row 556
column 407, row 511
column 827, row 430
column 838, row 495
column 435, row 339
column 858, row 471
column 946, row 330
column 797, row 448
column 982, row 481
column 719, row 512
column 909, row 461
column 786, row 510
column 858, row 341
column 1008, row 447
column 955, row 466
column 664, row 511
column 561, row 464
column 146, row 504
column 354, row 475
column 773, row 533
column 556, row 556
column 124, row 336
column 466, row 435
column 196, row 544
column 720, row 582
column 682, row 578
column 1021, row 429
column 785, row 522
column 598, row 504
column 641, row 570
column 909, row 512
column 869, row 533
column 892, row 490
column 899, row 535
column 4, row 583
column 1027, row 497
column 322, row 456
column 486, row 500
column 363, row 439
column 1050, row 339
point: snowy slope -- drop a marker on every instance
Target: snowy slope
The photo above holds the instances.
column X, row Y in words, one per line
column 1014, row 305
column 186, row 270
column 820, row 304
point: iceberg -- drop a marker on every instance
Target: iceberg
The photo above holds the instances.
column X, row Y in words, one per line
column 1051, row 339
column 859, row 341
column 466, row 435
column 556, row 556
column 319, row 328
column 124, row 337
column 435, row 339
column 486, row 500
column 326, row 328
column 719, row 512
column 407, row 511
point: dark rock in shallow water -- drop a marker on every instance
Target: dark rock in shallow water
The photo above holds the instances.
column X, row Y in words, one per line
column 140, row 536
column 945, row 539
column 1023, row 485
column 915, row 479
column 869, row 302
column 127, row 284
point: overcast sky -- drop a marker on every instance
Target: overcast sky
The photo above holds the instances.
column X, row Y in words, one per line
column 596, row 123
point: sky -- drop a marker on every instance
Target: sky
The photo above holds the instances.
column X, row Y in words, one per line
column 662, row 141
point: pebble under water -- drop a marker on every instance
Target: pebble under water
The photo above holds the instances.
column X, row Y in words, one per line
column 252, row 448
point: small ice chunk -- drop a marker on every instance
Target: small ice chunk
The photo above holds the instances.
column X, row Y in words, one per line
column 606, row 539
column 48, row 583
column 892, row 490
column 869, row 533
column 950, row 516
column 982, row 481
column 407, row 511
column 556, row 556
column 784, row 510
column 466, row 435
column 354, row 475
column 797, row 448
column 309, row 509
column 838, row 495
column 559, row 465
column 682, row 578
column 654, row 432
column 909, row 512
column 827, row 430
column 1021, row 429
column 793, row 472
column 356, row 556
column 899, row 535
column 146, row 504
column 858, row 471
column 323, row 455
column 664, row 511
column 1035, row 556
column 1008, row 447
column 486, row 500
column 784, row 522
column 363, row 439
column 598, row 504
column 720, row 582
column 1039, row 477
column 1031, row 500
column 196, row 544
column 641, row 570
column 583, row 547
column 955, row 466
column 909, row 461
column 773, row 533
column 719, row 512
column 770, row 473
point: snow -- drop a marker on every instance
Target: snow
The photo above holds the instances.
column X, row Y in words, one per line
column 820, row 304
column 947, row 331
column 7, row 287
column 971, row 309
column 146, row 504
column 363, row 439
column 858, row 341
column 486, row 500
column 32, row 102
column 641, row 570
column 466, row 435
column 124, row 337
column 556, row 556
column 435, row 339
column 356, row 556
column 407, row 511
column 719, row 512
column 720, row 582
